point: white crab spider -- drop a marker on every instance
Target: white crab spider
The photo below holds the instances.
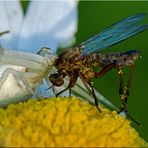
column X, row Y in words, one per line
column 21, row 72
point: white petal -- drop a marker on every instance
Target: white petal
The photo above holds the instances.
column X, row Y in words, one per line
column 48, row 23
column 11, row 17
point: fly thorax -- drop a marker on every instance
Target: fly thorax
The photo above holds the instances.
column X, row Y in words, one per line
column 87, row 72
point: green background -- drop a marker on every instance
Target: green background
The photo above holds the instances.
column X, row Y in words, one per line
column 95, row 16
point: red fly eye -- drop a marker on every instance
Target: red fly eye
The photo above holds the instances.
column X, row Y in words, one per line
column 56, row 80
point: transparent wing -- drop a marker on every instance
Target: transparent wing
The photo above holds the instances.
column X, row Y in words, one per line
column 114, row 34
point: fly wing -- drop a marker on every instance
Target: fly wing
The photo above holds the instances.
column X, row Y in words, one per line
column 114, row 34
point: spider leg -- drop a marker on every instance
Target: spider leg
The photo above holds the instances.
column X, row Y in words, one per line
column 4, row 32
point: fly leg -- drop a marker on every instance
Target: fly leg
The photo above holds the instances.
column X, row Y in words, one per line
column 72, row 81
column 90, row 89
column 99, row 74
column 130, row 79
column 94, row 96
column 104, row 70
column 124, row 91
column 51, row 87
column 89, row 85
column 69, row 92
column 62, row 91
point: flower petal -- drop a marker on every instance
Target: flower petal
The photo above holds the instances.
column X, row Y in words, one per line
column 48, row 23
column 11, row 19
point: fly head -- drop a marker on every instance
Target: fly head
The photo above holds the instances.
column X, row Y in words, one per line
column 56, row 79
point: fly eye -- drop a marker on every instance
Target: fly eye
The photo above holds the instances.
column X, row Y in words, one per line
column 55, row 75
column 56, row 80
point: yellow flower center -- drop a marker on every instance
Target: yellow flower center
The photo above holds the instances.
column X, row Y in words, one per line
column 64, row 122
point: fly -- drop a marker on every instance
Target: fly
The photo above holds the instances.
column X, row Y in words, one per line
column 78, row 61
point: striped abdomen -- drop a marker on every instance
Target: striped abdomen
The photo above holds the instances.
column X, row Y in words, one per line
column 123, row 59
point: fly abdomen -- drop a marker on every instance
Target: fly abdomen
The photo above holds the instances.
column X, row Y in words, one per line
column 122, row 59
column 128, row 57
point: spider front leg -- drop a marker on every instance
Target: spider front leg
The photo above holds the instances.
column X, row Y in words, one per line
column 4, row 32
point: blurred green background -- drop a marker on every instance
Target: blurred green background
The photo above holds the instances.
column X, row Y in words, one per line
column 95, row 16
